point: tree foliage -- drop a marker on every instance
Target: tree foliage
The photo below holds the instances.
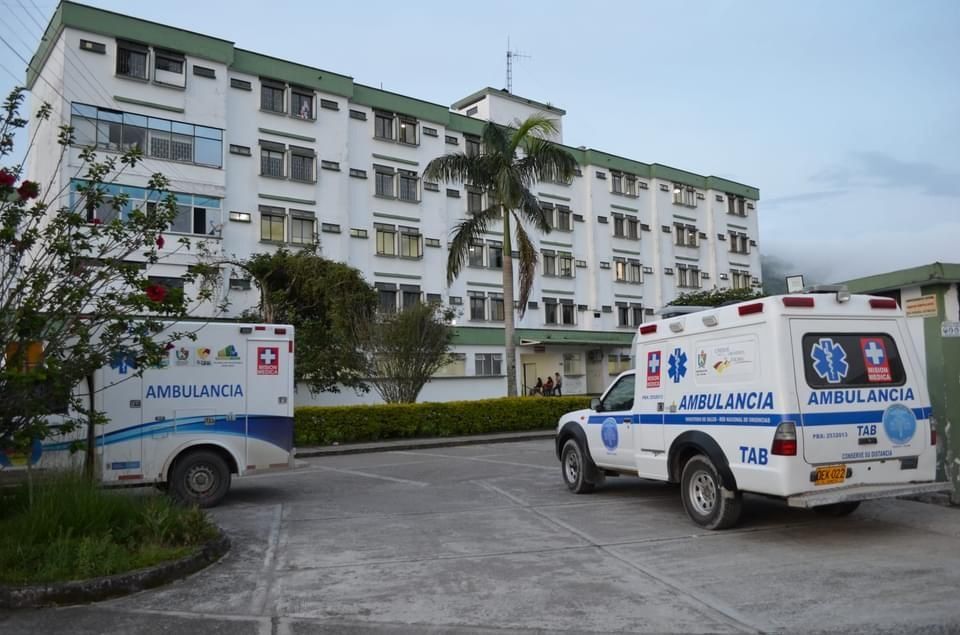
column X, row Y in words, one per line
column 715, row 297
column 511, row 162
column 403, row 350
column 324, row 300
column 74, row 286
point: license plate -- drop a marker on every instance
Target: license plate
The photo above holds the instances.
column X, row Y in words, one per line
column 830, row 474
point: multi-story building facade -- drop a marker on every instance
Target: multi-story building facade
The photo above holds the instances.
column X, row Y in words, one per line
column 263, row 153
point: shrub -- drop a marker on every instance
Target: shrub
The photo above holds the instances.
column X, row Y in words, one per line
column 323, row 425
column 76, row 530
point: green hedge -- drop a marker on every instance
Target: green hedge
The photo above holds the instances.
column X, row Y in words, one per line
column 323, row 425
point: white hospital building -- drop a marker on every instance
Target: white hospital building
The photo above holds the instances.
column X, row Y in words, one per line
column 264, row 152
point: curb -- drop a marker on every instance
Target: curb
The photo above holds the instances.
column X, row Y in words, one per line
column 417, row 444
column 96, row 589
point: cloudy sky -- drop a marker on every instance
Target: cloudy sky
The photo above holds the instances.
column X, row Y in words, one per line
column 845, row 114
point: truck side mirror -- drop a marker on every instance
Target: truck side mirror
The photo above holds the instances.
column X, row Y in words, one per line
column 595, row 403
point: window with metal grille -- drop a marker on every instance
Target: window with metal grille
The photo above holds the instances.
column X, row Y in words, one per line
column 478, row 306
column 488, row 363
column 563, row 218
column 410, row 244
column 408, row 131
column 302, row 228
column 302, row 166
column 475, row 255
column 132, row 60
column 495, row 254
column 301, row 103
column 272, row 96
column 386, row 240
column 474, row 201
column 496, row 307
column 385, row 183
column 383, row 125
column 272, row 224
column 565, row 262
column 271, row 162
column 549, row 263
column 409, row 186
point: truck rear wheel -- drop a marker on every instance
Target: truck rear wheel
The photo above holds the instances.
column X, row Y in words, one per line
column 577, row 469
column 200, row 477
column 707, row 502
column 837, row 509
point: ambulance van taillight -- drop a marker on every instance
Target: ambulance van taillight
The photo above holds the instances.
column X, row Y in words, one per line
column 785, row 439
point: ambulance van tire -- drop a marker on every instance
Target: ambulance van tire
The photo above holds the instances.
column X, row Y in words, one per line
column 578, row 471
column 837, row 510
column 199, row 477
column 706, row 501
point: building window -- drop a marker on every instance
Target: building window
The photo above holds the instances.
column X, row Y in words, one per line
column 195, row 214
column 478, row 306
column 386, row 240
column 549, row 263
column 271, row 159
column 618, row 363
column 358, row 233
column 616, row 182
column 409, row 296
column 302, row 165
column 550, row 311
column 410, row 245
column 688, row 276
column 450, row 139
column 132, row 60
column 563, row 218
column 568, row 312
column 272, row 224
column 158, row 138
column 474, row 201
column 685, row 235
column 168, row 68
column 740, row 279
column 636, row 314
column 488, row 363
column 455, row 367
column 495, row 254
column 432, row 242
column 301, row 103
column 628, row 271
column 684, row 195
column 302, row 228
column 386, row 297
column 475, row 255
column 472, row 144
column 566, row 265
column 271, row 96
column 739, row 243
column 623, row 315
column 385, row 182
column 736, row 205
column 633, row 228
column 496, row 307
column 572, row 364
column 383, row 126
column 619, row 226
column 409, row 186
column 630, row 185
column 408, row 131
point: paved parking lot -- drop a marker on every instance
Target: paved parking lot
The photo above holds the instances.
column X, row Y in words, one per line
column 487, row 539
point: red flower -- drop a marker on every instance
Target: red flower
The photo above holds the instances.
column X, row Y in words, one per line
column 7, row 179
column 160, row 241
column 156, row 293
column 28, row 190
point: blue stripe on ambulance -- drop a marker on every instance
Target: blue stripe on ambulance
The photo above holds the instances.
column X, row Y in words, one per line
column 756, row 419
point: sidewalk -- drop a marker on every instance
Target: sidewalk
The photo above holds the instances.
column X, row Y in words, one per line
column 415, row 444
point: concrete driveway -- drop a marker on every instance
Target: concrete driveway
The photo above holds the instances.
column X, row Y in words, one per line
column 487, row 539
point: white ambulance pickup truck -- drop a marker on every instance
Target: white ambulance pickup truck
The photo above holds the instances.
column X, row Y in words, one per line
column 815, row 398
column 219, row 404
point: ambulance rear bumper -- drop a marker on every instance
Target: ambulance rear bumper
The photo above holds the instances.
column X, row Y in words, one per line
column 864, row 492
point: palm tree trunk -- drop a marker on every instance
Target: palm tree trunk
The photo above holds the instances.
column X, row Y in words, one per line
column 510, row 349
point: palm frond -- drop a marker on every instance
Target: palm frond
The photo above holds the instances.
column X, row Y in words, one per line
column 455, row 167
column 495, row 140
column 536, row 126
column 527, row 267
column 531, row 210
column 467, row 232
column 545, row 161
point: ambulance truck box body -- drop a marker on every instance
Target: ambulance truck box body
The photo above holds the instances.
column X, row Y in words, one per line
column 219, row 404
column 818, row 399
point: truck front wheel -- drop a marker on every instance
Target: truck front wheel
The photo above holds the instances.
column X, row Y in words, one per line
column 577, row 470
column 706, row 501
column 200, row 478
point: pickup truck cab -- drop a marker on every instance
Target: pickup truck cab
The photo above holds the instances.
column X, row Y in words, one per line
column 817, row 398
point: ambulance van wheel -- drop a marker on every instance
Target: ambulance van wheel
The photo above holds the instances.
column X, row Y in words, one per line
column 706, row 501
column 837, row 509
column 573, row 463
column 200, row 478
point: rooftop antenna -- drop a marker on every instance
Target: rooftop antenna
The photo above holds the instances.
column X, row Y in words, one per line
column 511, row 54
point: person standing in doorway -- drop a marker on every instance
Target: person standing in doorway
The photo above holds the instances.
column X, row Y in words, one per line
column 557, row 384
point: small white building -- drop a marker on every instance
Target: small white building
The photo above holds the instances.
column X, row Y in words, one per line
column 264, row 152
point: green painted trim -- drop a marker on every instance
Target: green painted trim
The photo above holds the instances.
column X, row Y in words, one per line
column 600, row 159
column 50, row 37
column 737, row 226
column 308, row 76
column 738, row 264
column 625, row 209
column 404, row 276
column 481, row 336
column 477, row 336
column 469, row 100
column 932, row 273
column 687, row 259
column 689, row 218
column 626, row 251
column 488, row 285
column 149, row 104
column 553, row 196
column 393, row 102
column 395, row 159
column 396, row 217
column 553, row 244
column 732, row 187
column 627, row 295
column 288, row 135
column 557, row 291
column 464, row 124
column 288, row 199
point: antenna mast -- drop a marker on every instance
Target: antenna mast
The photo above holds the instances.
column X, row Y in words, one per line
column 511, row 54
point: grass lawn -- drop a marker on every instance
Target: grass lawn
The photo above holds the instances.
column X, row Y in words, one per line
column 75, row 530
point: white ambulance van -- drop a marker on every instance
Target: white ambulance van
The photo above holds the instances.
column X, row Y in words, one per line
column 816, row 398
column 219, row 404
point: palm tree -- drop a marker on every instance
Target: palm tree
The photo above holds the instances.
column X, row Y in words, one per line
column 511, row 161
